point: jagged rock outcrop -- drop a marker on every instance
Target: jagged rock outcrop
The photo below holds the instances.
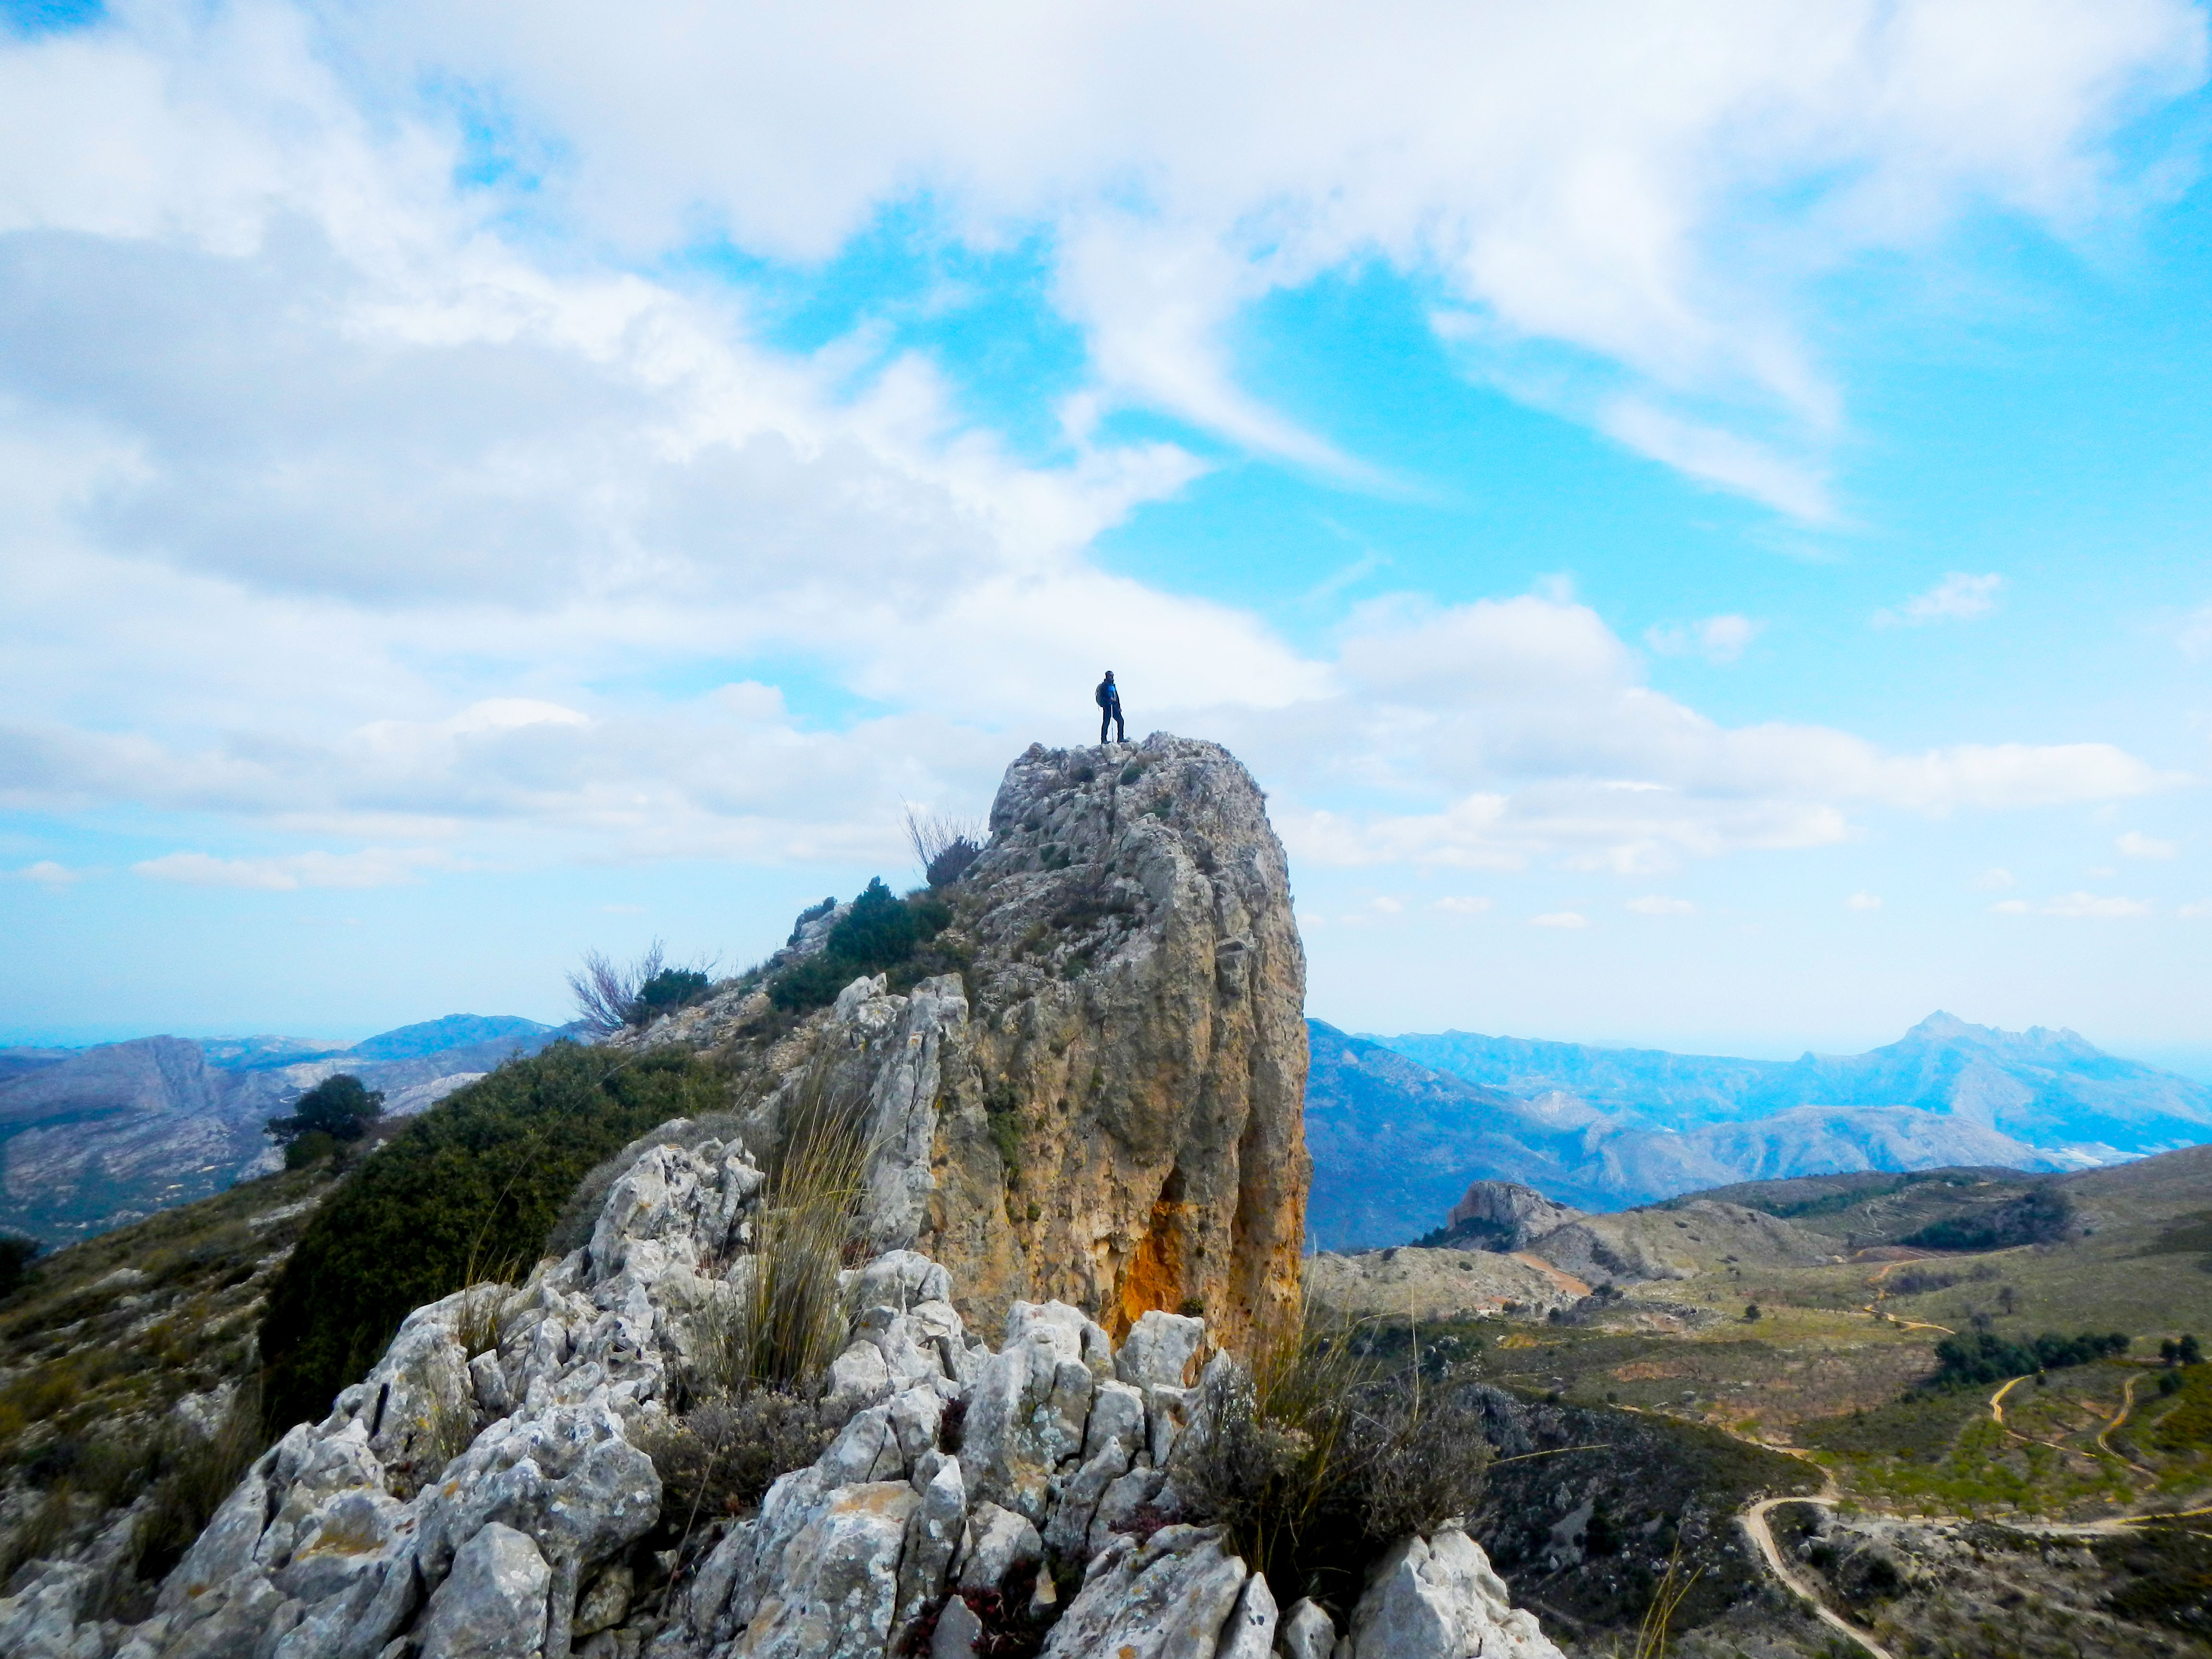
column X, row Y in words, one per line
column 1104, row 1106
column 482, row 1493
column 1502, row 1215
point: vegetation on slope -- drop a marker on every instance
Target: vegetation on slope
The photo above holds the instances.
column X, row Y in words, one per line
column 880, row 934
column 98, row 1345
column 467, row 1191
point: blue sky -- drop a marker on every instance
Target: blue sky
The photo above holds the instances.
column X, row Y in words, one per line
column 1699, row 519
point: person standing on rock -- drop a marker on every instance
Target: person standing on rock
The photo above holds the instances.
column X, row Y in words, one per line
column 1109, row 698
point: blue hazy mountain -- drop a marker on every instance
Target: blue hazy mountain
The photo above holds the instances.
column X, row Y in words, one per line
column 433, row 1036
column 1398, row 1126
column 2051, row 1089
column 93, row 1137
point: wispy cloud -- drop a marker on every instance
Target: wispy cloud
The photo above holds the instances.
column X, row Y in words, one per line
column 1658, row 904
column 1559, row 919
column 373, row 867
column 2137, row 845
column 2098, row 906
column 2078, row 906
column 48, row 873
column 1957, row 598
column 1863, row 901
column 1717, row 638
column 1461, row 905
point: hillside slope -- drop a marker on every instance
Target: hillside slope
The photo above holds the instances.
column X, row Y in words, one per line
column 98, row 1138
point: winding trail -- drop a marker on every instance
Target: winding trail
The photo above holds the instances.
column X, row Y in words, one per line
column 2127, row 1405
column 1755, row 1524
column 1881, row 1295
column 1996, row 1400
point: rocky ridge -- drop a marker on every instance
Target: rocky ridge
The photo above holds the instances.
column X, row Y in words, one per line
column 1103, row 1105
column 483, row 1492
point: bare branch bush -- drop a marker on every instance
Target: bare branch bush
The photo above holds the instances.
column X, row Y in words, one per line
column 606, row 992
column 943, row 846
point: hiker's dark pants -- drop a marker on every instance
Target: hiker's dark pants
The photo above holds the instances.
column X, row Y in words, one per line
column 1111, row 715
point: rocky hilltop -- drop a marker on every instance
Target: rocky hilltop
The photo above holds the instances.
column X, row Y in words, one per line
column 487, row 1490
column 1103, row 1104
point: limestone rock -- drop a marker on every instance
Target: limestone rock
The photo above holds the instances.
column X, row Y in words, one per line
column 492, row 1605
column 1307, row 1632
column 1503, row 1215
column 1171, row 1596
column 836, row 1587
column 998, row 1541
column 1250, row 1631
column 1162, row 1347
column 1437, row 1598
column 1105, row 1108
column 1138, row 1022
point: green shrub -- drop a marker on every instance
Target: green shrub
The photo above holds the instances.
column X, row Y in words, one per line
column 338, row 1109
column 472, row 1186
column 669, row 990
column 2042, row 1216
column 879, row 935
column 1978, row 1357
column 16, row 1254
column 310, row 1148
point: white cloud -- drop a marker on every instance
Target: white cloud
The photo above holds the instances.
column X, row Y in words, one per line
column 2139, row 846
column 2096, row 906
column 1863, row 901
column 363, row 507
column 1995, row 878
column 1649, row 198
column 374, row 867
column 1461, row 905
column 48, row 873
column 1383, row 904
column 1957, row 598
column 1658, row 904
column 2202, row 908
column 1559, row 919
column 2010, row 907
column 1717, row 638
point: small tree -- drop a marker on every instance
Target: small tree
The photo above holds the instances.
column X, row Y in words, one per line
column 16, row 1254
column 1751, row 1315
column 337, row 1110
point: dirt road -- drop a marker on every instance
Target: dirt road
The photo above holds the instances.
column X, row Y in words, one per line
column 1755, row 1524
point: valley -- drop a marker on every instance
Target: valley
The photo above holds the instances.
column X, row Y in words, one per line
column 2023, row 1513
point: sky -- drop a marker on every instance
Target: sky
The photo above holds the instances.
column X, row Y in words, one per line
column 1697, row 515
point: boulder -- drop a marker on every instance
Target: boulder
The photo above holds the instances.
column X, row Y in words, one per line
column 1162, row 1347
column 1174, row 1595
column 835, row 1588
column 1307, row 1632
column 492, row 1605
column 997, row 1541
column 1437, row 1598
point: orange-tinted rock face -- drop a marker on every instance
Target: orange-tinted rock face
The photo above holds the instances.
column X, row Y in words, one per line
column 1126, row 1131
column 1106, row 1107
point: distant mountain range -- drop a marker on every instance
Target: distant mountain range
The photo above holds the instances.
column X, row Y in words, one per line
column 1399, row 1125
column 93, row 1137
